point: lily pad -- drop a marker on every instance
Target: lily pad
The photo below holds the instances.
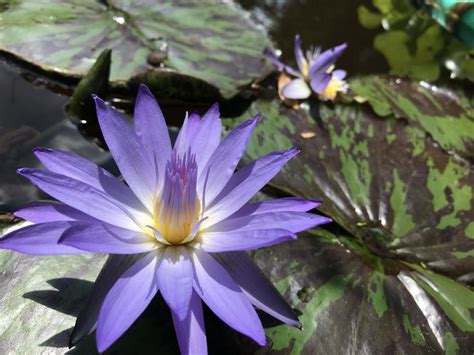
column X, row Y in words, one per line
column 446, row 114
column 406, row 209
column 415, row 44
column 194, row 44
column 351, row 301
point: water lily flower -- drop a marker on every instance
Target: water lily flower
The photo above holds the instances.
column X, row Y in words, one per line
column 179, row 226
column 315, row 73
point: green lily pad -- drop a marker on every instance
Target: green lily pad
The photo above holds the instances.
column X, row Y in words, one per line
column 192, row 44
column 351, row 301
column 30, row 327
column 415, row 44
column 447, row 115
column 406, row 209
column 40, row 298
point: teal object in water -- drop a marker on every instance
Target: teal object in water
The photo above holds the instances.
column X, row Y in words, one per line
column 456, row 16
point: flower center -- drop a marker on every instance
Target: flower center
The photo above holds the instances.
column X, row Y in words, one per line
column 335, row 85
column 178, row 207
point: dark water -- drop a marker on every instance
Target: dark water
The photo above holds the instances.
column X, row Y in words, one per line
column 32, row 115
column 325, row 23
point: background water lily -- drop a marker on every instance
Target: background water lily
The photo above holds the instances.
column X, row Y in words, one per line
column 315, row 73
column 179, row 227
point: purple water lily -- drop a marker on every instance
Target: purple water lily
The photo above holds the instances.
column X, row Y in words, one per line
column 179, row 227
column 315, row 73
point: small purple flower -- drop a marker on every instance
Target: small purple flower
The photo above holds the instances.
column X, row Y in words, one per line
column 315, row 73
column 179, row 227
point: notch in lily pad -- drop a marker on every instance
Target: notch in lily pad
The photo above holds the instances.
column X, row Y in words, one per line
column 96, row 81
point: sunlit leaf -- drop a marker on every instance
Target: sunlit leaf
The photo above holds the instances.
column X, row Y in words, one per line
column 416, row 45
column 447, row 115
column 395, row 278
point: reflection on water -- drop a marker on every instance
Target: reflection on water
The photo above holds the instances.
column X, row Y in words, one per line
column 32, row 116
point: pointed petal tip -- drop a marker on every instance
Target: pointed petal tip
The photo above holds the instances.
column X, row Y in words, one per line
column 42, row 150
column 257, row 118
column 342, row 46
column 326, row 220
column 268, row 52
column 99, row 103
column 101, row 345
column 261, row 339
column 293, row 151
column 251, row 121
column 214, row 107
column 315, row 201
column 298, row 42
column 25, row 171
column 144, row 90
column 143, row 86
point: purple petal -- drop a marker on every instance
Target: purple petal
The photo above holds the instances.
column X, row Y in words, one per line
column 286, row 204
column 320, row 81
column 86, row 321
column 296, row 89
column 137, row 169
column 42, row 212
column 84, row 197
column 279, row 64
column 102, row 238
column 190, row 331
column 222, row 163
column 339, row 74
column 188, row 129
column 201, row 136
column 78, row 168
column 326, row 59
column 207, row 136
column 150, row 127
column 291, row 221
column 245, row 183
column 299, row 56
column 217, row 289
column 175, row 280
column 126, row 300
column 39, row 239
column 216, row 242
column 274, row 59
column 258, row 289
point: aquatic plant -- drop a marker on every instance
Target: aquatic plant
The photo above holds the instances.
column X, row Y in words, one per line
column 180, row 226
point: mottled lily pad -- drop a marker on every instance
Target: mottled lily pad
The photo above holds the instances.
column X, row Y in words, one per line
column 446, row 114
column 416, row 45
column 406, row 209
column 351, row 301
column 207, row 47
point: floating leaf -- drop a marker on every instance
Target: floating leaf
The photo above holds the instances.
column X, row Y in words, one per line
column 40, row 298
column 416, row 45
column 447, row 115
column 402, row 201
column 352, row 301
column 194, row 44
